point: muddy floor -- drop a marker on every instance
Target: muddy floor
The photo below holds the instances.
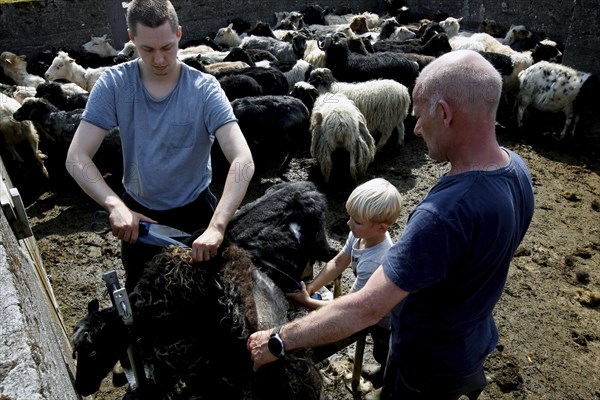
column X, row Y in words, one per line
column 548, row 316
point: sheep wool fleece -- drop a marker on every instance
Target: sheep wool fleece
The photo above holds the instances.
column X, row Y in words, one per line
column 166, row 142
column 453, row 259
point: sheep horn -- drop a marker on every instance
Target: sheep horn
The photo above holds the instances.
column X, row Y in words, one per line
column 324, row 44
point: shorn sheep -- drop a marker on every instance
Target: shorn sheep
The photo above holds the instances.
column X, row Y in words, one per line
column 15, row 67
column 178, row 309
column 65, row 67
column 551, row 87
column 101, row 46
column 14, row 132
column 384, row 103
column 336, row 123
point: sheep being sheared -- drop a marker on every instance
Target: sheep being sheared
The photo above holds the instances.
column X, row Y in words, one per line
column 178, row 308
column 191, row 326
column 284, row 230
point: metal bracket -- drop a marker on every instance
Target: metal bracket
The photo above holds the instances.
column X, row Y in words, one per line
column 15, row 214
column 118, row 296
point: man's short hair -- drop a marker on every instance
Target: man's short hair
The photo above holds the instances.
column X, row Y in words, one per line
column 151, row 13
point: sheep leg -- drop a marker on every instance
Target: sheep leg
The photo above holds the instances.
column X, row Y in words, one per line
column 34, row 141
column 520, row 112
column 575, row 125
column 383, row 139
column 569, row 123
column 13, row 152
column 326, row 165
column 401, row 133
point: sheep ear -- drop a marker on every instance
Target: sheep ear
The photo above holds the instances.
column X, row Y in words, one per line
column 103, row 37
column 459, row 19
column 93, row 306
column 318, row 117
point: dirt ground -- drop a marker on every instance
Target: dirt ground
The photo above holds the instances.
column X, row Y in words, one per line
column 548, row 316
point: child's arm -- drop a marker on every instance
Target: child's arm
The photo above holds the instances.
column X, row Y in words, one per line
column 301, row 298
column 330, row 271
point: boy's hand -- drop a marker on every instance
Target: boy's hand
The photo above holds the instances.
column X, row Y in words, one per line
column 299, row 298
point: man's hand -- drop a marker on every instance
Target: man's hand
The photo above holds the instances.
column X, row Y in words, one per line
column 125, row 223
column 259, row 350
column 206, row 245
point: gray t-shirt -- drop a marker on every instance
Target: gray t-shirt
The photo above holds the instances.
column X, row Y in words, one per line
column 365, row 261
column 166, row 142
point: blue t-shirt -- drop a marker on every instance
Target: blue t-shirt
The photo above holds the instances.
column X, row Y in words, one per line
column 166, row 142
column 453, row 259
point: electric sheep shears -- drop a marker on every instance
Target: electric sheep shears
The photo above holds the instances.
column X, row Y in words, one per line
column 152, row 234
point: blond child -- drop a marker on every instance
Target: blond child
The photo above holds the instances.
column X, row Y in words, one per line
column 372, row 206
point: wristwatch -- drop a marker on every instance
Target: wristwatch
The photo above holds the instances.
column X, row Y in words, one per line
column 276, row 343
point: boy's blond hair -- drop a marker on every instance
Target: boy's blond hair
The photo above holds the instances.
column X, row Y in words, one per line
column 376, row 201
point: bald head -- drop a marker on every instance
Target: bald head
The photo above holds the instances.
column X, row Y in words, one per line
column 464, row 79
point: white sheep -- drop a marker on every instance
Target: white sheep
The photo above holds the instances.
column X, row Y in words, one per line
column 551, row 87
column 372, row 19
column 451, row 26
column 100, row 45
column 15, row 67
column 65, row 67
column 313, row 54
column 207, row 54
column 129, row 50
column 282, row 50
column 516, row 32
column 383, row 102
column 336, row 123
column 294, row 71
column 14, row 132
column 228, row 37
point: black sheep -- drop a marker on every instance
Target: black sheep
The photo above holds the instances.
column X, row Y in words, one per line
column 347, row 66
column 53, row 92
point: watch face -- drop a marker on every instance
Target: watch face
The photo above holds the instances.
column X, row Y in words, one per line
column 275, row 346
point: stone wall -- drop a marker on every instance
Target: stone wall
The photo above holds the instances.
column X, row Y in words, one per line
column 573, row 24
column 27, row 27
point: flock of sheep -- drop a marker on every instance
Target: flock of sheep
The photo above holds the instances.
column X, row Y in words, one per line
column 316, row 80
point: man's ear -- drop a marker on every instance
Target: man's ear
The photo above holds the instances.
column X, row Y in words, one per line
column 179, row 32
column 446, row 111
column 130, row 35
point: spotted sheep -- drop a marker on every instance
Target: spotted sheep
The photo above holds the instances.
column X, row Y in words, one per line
column 552, row 87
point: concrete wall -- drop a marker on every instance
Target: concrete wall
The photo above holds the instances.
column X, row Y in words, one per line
column 35, row 355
